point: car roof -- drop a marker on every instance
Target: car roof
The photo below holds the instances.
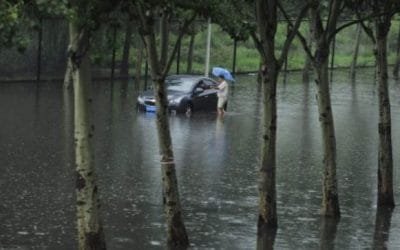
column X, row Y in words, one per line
column 193, row 77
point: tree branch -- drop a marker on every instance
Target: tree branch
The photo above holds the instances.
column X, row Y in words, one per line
column 296, row 31
column 293, row 30
column 178, row 41
column 258, row 44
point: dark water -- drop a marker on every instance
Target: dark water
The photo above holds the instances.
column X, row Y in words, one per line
column 217, row 161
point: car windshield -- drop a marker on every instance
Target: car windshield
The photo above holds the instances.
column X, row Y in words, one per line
column 180, row 84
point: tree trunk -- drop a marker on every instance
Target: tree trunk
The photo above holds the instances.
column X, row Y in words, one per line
column 234, row 56
column 330, row 196
column 39, row 51
column 355, row 53
column 332, row 59
column 308, row 63
column 114, row 48
column 190, row 53
column 139, row 61
column 164, row 38
column 267, row 187
column 178, row 58
column 397, row 63
column 385, row 159
column 68, row 75
column 267, row 25
column 68, row 80
column 90, row 229
column 176, row 231
column 124, row 70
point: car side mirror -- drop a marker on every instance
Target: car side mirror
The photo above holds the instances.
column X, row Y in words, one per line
column 198, row 90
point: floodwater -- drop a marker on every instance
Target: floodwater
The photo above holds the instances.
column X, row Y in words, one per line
column 216, row 160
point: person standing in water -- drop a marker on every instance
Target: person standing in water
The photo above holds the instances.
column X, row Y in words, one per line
column 222, row 95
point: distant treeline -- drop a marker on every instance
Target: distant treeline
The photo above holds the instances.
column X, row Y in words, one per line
column 17, row 64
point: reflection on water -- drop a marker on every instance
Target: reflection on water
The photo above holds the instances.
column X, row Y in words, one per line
column 328, row 231
column 216, row 158
column 382, row 228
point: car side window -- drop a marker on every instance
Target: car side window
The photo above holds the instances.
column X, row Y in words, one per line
column 208, row 83
column 202, row 85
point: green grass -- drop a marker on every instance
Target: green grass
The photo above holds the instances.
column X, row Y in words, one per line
column 248, row 59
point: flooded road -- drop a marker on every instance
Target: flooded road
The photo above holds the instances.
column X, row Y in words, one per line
column 216, row 159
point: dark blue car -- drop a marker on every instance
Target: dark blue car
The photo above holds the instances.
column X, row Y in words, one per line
column 186, row 94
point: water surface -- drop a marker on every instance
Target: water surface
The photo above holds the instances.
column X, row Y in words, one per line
column 216, row 160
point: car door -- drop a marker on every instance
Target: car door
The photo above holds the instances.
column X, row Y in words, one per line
column 211, row 99
column 199, row 99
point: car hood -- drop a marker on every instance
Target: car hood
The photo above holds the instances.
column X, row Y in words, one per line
column 149, row 94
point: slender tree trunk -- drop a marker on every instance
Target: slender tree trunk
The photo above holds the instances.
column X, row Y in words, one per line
column 385, row 159
column 178, row 59
column 330, row 197
column 397, row 63
column 68, row 75
column 39, row 54
column 164, row 38
column 90, row 231
column 355, row 53
column 267, row 186
column 190, row 53
column 68, row 79
column 323, row 34
column 234, row 57
column 308, row 63
column 114, row 48
column 332, row 59
column 267, row 25
column 139, row 61
column 176, row 231
column 124, row 70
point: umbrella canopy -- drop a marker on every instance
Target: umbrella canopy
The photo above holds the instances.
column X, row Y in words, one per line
column 218, row 71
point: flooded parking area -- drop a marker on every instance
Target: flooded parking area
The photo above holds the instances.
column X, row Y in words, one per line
column 217, row 160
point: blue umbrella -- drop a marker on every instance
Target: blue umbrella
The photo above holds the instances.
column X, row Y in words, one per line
column 218, row 71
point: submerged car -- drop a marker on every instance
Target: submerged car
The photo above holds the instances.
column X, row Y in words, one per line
column 186, row 94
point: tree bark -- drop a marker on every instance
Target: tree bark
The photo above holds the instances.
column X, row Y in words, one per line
column 176, row 231
column 267, row 24
column 164, row 38
column 39, row 51
column 114, row 48
column 355, row 53
column 324, row 37
column 90, row 230
column 68, row 79
column 124, row 70
column 308, row 63
column 330, row 196
column 385, row 158
column 267, row 180
column 139, row 61
column 397, row 63
column 190, row 53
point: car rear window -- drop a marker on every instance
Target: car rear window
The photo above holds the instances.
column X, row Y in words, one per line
column 180, row 84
